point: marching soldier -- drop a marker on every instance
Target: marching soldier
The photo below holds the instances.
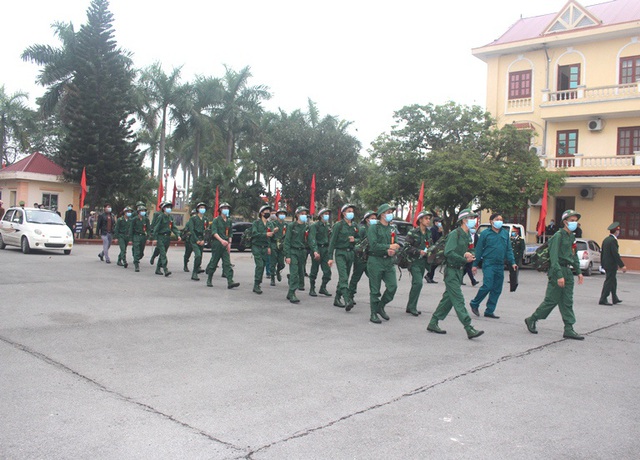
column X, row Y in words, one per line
column 457, row 252
column 360, row 260
column 186, row 237
column 341, row 249
column 154, row 221
column 260, row 238
column 562, row 256
column 295, row 251
column 197, row 226
column 162, row 230
column 221, row 233
column 123, row 230
column 611, row 260
column 436, row 233
column 279, row 229
column 380, row 266
column 319, row 245
column 419, row 241
column 139, row 234
column 518, row 245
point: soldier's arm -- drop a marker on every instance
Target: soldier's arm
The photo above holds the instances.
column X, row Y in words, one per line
column 554, row 262
column 615, row 252
column 313, row 243
column 287, row 242
column 334, row 238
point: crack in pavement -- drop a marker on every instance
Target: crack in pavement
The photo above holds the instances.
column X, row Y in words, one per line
column 426, row 388
column 120, row 396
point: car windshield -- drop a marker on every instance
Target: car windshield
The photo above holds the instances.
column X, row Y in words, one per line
column 581, row 245
column 38, row 216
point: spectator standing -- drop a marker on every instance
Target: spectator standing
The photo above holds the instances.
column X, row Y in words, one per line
column 70, row 218
column 106, row 227
column 436, row 234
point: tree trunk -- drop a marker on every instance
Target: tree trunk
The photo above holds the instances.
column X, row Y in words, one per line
column 196, row 157
column 230, row 143
column 162, row 142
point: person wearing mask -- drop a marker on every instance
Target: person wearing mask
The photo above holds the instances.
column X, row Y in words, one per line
column 91, row 221
column 343, row 241
column 70, row 217
column 563, row 259
column 611, row 260
column 295, row 251
column 186, row 237
column 221, row 235
column 360, row 259
column 123, row 235
column 457, row 253
column 279, row 229
column 319, row 246
column 493, row 248
column 139, row 235
column 436, row 234
column 106, row 227
column 196, row 228
column 419, row 241
column 162, row 230
column 261, row 235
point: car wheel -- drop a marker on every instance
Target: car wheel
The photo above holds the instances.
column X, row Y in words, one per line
column 2, row 245
column 67, row 252
column 589, row 269
column 26, row 249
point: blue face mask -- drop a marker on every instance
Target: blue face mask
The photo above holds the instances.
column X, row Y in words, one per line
column 225, row 212
column 128, row 214
column 439, row 224
column 572, row 226
column 349, row 216
column 471, row 223
column 281, row 216
column 202, row 210
column 325, row 217
column 143, row 213
column 388, row 217
column 472, row 230
column 69, row 208
column 514, row 234
column 303, row 218
column 373, row 221
column 167, row 210
column 497, row 224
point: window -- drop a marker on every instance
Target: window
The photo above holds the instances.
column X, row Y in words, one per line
column 626, row 210
column 8, row 215
column 520, row 84
column 567, row 143
column 49, row 200
column 568, row 79
column 629, row 69
column 628, row 140
column 17, row 217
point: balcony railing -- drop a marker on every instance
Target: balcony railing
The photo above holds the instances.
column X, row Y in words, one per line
column 519, row 105
column 593, row 94
column 594, row 163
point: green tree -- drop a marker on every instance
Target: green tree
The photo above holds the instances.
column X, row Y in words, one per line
column 16, row 119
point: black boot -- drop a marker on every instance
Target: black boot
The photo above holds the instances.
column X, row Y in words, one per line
column 312, row 289
column 273, row 281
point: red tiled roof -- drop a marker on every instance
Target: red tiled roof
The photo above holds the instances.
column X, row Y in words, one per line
column 613, row 12
column 606, row 173
column 35, row 163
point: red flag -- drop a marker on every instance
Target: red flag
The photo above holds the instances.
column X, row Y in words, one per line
column 312, row 206
column 277, row 200
column 420, row 205
column 215, row 210
column 160, row 194
column 542, row 222
column 409, row 215
column 175, row 192
column 83, row 186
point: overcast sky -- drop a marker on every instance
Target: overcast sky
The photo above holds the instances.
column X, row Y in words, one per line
column 358, row 60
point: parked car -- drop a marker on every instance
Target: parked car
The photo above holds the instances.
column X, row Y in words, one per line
column 32, row 228
column 589, row 253
column 403, row 228
column 237, row 229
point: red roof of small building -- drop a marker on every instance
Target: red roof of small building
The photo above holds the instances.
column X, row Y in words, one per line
column 35, row 163
column 613, row 12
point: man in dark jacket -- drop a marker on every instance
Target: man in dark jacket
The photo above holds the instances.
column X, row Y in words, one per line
column 70, row 218
column 611, row 260
column 436, row 234
column 106, row 227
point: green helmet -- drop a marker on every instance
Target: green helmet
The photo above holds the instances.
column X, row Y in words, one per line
column 383, row 208
column 569, row 213
column 323, row 210
column 224, row 204
column 467, row 212
column 300, row 209
column 346, row 206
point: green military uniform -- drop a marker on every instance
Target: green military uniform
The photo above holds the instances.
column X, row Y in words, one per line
column 222, row 227
column 518, row 246
column 260, row 244
column 279, row 229
column 295, row 249
column 458, row 243
column 319, row 242
column 611, row 260
column 140, row 226
column 186, row 237
column 197, row 225
column 341, row 249
column 122, row 234
column 417, row 242
column 162, row 230
column 562, row 258
column 360, row 261
column 380, row 266
column 156, row 249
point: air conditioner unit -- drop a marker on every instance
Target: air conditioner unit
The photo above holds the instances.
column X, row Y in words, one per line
column 586, row 193
column 536, row 203
column 595, row 124
column 537, row 149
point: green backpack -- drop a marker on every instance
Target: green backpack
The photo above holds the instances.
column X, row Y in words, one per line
column 540, row 258
column 245, row 240
column 402, row 258
column 362, row 249
column 436, row 252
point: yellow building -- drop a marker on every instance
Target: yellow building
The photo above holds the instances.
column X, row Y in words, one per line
column 573, row 77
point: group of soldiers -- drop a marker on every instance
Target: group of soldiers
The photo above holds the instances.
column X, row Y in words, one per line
column 369, row 247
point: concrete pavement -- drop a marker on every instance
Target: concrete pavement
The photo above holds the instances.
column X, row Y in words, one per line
column 101, row 362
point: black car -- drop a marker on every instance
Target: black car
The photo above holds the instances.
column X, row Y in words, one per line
column 238, row 229
column 403, row 228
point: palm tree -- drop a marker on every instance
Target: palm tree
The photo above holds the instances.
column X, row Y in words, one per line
column 15, row 121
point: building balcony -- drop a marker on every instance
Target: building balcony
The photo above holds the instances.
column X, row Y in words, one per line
column 584, row 102
column 594, row 163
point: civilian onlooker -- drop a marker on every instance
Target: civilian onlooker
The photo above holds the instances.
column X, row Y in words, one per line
column 91, row 220
column 70, row 218
column 578, row 232
column 1, row 209
column 106, row 227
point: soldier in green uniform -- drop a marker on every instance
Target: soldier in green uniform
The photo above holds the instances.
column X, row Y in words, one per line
column 518, row 245
column 319, row 245
column 611, row 260
column 186, row 237
column 562, row 256
column 419, row 241
column 197, row 226
column 154, row 221
column 139, row 234
column 122, row 233
column 457, row 252
column 261, row 236
column 341, row 249
column 162, row 230
column 360, row 260
column 295, row 251
column 380, row 266
column 279, row 229
column 221, row 232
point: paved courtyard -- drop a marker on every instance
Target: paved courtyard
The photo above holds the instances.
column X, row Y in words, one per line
column 100, row 362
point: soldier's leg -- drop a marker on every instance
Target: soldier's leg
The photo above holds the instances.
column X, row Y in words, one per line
column 607, row 287
column 313, row 274
column 359, row 268
column 155, row 254
column 259, row 260
column 374, row 268
column 137, row 242
column 122, row 243
column 294, row 274
column 497, row 281
column 302, row 267
column 188, row 249
column 391, row 285
column 227, row 269
column 326, row 270
column 197, row 260
column 551, row 298
column 452, row 277
column 346, row 293
column 216, row 254
column 614, row 287
column 565, row 303
column 417, row 270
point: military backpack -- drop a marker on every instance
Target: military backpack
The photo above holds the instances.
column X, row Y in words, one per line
column 436, row 252
column 362, row 249
column 245, row 240
column 540, row 258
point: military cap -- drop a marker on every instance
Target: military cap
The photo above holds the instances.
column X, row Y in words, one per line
column 282, row 211
column 127, row 208
column 346, row 206
column 193, row 212
column 142, row 208
column 467, row 212
column 224, row 205
column 264, row 208
column 569, row 213
column 422, row 214
column 140, row 203
column 166, row 204
column 383, row 208
column 299, row 209
column 202, row 204
column 368, row 214
column 613, row 226
column 323, row 210
column 21, row 203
